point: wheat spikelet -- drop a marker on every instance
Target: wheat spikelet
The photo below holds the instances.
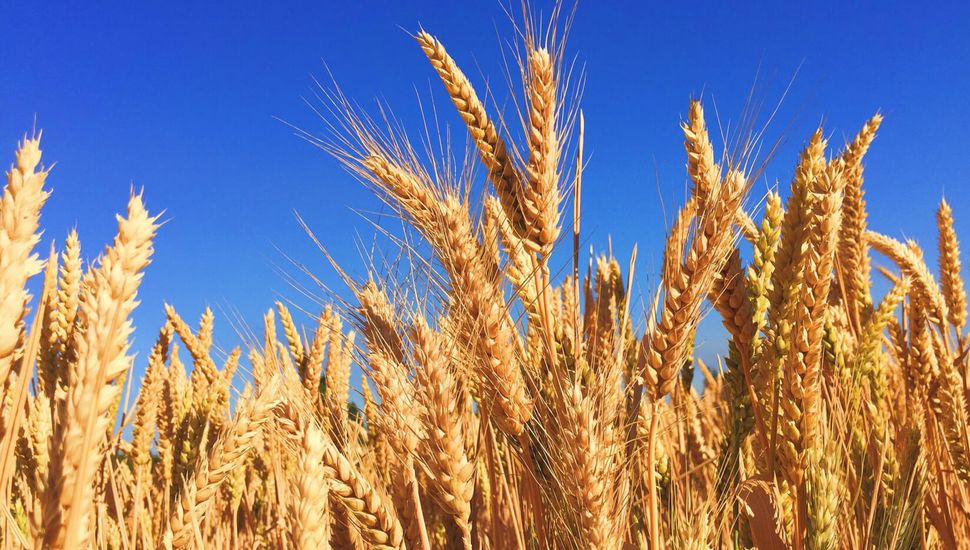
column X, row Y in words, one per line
column 853, row 253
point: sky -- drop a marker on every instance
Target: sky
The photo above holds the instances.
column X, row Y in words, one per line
column 193, row 102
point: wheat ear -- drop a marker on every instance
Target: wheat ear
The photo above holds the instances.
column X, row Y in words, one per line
column 927, row 291
column 312, row 511
column 541, row 197
column 951, row 277
column 107, row 301
column 491, row 147
column 377, row 521
column 23, row 197
column 445, row 441
column 853, row 252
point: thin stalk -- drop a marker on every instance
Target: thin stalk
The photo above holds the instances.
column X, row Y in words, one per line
column 654, row 511
column 422, row 529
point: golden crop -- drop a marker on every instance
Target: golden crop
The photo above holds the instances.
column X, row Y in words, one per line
column 511, row 410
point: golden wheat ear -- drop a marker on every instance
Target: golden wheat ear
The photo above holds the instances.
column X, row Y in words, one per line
column 950, row 271
column 23, row 197
column 491, row 146
column 106, row 303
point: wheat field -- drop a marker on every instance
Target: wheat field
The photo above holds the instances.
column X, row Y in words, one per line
column 508, row 402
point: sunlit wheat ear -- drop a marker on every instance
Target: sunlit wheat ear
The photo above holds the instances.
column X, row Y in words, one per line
column 785, row 311
column 400, row 408
column 593, row 499
column 106, row 304
column 373, row 520
column 388, row 370
column 339, row 360
column 687, row 282
column 63, row 350
column 853, row 252
column 23, row 197
column 377, row 522
column 312, row 510
column 950, row 273
column 491, row 146
column 146, row 420
column 928, row 294
column 196, row 346
column 948, row 403
column 312, row 368
column 803, row 371
column 445, row 440
column 703, row 170
column 293, row 339
column 541, row 197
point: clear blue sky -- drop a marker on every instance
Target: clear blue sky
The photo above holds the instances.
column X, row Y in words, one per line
column 181, row 99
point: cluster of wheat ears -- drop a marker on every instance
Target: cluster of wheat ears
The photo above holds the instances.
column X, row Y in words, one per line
column 510, row 410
